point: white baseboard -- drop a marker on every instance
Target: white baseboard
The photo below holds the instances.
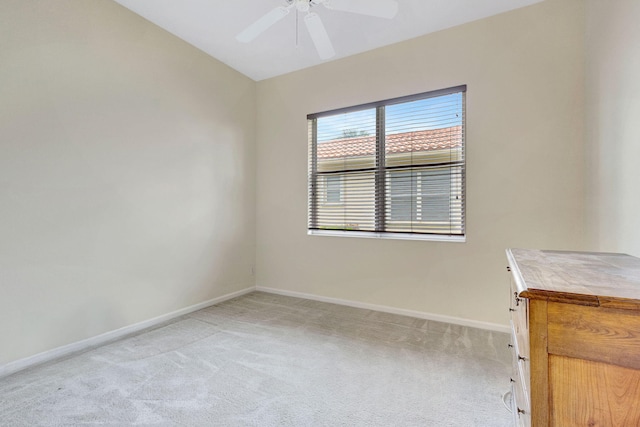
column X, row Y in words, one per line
column 20, row 364
column 386, row 309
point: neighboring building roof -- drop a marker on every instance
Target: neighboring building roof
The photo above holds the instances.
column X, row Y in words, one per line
column 407, row 142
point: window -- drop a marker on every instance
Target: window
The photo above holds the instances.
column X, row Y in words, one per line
column 392, row 168
column 333, row 189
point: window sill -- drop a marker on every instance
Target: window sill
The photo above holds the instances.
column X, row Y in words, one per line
column 392, row 236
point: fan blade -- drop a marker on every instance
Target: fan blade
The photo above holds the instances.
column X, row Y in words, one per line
column 262, row 24
column 319, row 36
column 378, row 8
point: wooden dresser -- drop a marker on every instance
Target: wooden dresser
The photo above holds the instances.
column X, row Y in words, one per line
column 575, row 322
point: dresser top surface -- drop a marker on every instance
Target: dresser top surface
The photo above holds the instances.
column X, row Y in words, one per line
column 587, row 278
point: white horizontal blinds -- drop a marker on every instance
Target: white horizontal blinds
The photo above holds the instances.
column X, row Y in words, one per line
column 345, row 163
column 424, row 159
column 391, row 166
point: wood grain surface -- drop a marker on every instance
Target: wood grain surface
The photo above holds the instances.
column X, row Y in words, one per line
column 594, row 394
column 598, row 334
column 583, row 333
column 584, row 278
column 539, row 364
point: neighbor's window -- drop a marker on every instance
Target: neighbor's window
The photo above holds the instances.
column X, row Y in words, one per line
column 333, row 189
column 390, row 168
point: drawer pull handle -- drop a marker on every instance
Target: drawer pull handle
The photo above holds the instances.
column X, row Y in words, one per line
column 508, row 268
column 511, row 309
column 520, row 411
column 510, row 345
column 517, row 300
column 521, row 358
column 512, row 380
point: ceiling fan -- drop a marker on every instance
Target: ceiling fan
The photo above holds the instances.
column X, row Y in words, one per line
column 378, row 8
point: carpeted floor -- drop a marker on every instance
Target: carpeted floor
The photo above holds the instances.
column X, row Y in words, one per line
column 269, row 360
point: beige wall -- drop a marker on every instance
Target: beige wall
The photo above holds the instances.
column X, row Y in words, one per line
column 612, row 124
column 525, row 161
column 128, row 170
column 127, row 173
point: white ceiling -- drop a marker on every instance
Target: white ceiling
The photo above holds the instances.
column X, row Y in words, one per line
column 211, row 25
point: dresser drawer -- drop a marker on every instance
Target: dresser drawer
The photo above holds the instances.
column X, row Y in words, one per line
column 518, row 418
column 519, row 311
column 519, row 380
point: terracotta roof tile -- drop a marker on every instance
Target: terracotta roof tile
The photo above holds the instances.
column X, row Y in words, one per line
column 424, row 140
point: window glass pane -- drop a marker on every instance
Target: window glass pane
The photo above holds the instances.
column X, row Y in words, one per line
column 435, row 195
column 356, row 210
column 424, row 131
column 423, row 142
column 402, row 196
column 347, row 141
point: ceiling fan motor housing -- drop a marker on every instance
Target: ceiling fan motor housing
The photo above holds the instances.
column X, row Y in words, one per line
column 303, row 5
column 378, row 8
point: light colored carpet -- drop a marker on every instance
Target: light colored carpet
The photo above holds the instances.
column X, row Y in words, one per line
column 269, row 360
